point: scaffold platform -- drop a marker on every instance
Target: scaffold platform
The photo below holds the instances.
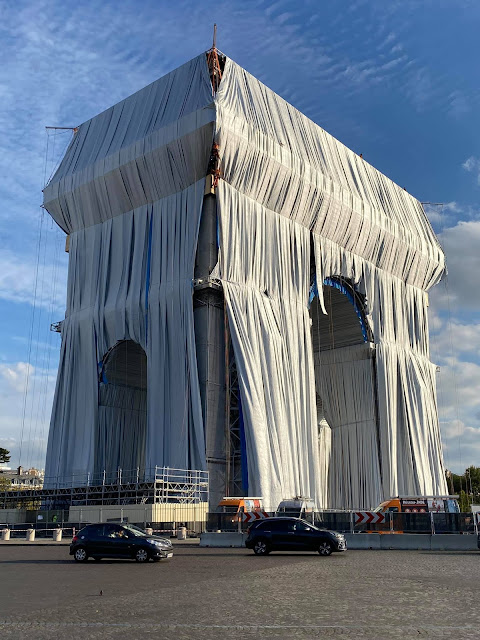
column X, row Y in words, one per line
column 163, row 485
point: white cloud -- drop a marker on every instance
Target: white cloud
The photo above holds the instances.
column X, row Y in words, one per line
column 24, row 420
column 460, row 291
column 455, row 344
column 21, row 280
column 15, row 376
column 459, row 105
column 420, row 88
column 461, row 445
column 472, row 165
column 442, row 214
column 459, row 388
column 452, row 335
column 458, row 394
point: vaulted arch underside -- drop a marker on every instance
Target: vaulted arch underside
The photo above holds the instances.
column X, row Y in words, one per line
column 122, row 412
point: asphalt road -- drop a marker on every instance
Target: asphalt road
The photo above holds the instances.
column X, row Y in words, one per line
column 230, row 593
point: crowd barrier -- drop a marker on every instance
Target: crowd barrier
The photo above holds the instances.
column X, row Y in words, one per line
column 16, row 532
column 345, row 522
column 342, row 521
column 12, row 532
column 46, row 530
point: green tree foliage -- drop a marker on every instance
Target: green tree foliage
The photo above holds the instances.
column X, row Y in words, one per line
column 467, row 486
column 4, row 455
column 5, row 483
column 464, row 502
column 456, row 483
column 472, row 480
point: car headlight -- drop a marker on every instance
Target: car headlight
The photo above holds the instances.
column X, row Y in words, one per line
column 159, row 543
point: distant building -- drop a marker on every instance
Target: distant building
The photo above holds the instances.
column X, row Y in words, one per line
column 23, row 478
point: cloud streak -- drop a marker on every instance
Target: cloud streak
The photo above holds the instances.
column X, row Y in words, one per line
column 472, row 165
column 24, row 281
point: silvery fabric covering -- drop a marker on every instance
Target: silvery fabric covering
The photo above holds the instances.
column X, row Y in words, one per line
column 408, row 431
column 153, row 144
column 365, row 228
column 266, row 292
column 130, row 192
column 346, row 384
column 347, row 425
column 130, row 279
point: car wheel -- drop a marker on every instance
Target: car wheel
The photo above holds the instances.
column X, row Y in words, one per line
column 80, row 554
column 261, row 548
column 325, row 548
column 141, row 555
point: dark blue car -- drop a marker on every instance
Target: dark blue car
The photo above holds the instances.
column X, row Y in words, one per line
column 292, row 534
column 109, row 540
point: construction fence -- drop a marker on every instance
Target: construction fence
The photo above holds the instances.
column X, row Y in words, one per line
column 349, row 522
column 166, row 519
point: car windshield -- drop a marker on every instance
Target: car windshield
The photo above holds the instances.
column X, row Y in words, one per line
column 136, row 531
column 309, row 524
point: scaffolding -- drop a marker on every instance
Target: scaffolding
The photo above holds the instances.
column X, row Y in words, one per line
column 234, row 435
column 162, row 486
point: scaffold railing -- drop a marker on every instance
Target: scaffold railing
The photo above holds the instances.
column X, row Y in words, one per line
column 132, row 486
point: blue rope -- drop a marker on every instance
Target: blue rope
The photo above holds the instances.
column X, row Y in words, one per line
column 243, row 448
column 337, row 284
column 147, row 282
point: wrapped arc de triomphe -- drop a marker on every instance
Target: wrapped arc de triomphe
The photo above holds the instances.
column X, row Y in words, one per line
column 210, row 223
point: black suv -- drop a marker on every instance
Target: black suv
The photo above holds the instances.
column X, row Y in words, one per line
column 109, row 540
column 292, row 534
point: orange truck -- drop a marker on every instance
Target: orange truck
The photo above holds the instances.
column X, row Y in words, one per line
column 237, row 505
column 413, row 505
column 420, row 504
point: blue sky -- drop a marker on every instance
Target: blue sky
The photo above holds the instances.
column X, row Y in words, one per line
column 397, row 81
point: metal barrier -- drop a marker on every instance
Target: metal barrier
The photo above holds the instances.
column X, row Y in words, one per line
column 341, row 521
column 223, row 522
column 20, row 532
column 344, row 522
column 166, row 529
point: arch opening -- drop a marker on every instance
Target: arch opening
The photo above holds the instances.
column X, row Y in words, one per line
column 122, row 412
column 349, row 461
column 345, row 323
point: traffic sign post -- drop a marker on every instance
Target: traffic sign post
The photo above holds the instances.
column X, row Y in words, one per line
column 369, row 517
column 253, row 516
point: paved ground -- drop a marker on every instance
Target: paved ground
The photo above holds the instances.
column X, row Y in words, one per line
column 230, row 593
